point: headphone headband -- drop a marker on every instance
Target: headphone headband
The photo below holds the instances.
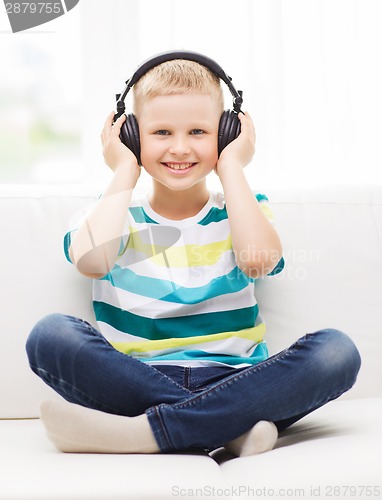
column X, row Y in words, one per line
column 152, row 62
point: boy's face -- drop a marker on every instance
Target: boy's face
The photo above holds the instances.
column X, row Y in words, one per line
column 179, row 136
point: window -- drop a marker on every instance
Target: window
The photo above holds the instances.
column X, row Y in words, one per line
column 40, row 92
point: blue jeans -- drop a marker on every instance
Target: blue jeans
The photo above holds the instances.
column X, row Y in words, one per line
column 202, row 407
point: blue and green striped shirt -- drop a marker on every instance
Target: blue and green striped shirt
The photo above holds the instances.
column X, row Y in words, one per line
column 176, row 295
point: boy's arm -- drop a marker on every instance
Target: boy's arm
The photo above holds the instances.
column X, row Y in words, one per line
column 255, row 242
column 95, row 245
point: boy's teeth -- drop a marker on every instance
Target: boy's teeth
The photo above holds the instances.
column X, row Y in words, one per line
column 179, row 166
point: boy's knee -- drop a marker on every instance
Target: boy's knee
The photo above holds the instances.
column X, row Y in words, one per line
column 43, row 333
column 343, row 346
column 342, row 355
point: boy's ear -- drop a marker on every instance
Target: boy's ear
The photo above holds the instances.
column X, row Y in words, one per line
column 130, row 136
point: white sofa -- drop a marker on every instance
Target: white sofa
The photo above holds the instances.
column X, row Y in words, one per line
column 332, row 239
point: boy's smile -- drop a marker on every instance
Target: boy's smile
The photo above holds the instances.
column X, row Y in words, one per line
column 179, row 167
column 179, row 135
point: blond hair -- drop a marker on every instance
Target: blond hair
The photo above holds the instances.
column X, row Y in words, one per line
column 178, row 76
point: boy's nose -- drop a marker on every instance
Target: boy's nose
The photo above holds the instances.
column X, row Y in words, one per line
column 179, row 146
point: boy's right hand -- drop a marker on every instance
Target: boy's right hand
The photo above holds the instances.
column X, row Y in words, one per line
column 116, row 154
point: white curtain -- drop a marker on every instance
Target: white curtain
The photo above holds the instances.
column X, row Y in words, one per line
column 310, row 70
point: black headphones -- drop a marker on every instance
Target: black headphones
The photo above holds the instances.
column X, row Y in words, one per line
column 229, row 125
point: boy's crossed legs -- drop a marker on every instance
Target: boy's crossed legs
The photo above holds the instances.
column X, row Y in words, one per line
column 314, row 370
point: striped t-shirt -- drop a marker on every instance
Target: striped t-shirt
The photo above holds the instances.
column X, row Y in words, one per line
column 176, row 295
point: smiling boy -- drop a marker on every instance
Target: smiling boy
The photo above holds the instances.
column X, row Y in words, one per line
column 181, row 361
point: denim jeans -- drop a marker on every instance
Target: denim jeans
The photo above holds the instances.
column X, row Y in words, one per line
column 203, row 407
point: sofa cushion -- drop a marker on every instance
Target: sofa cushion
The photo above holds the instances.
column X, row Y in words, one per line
column 31, row 468
column 334, row 451
column 339, row 445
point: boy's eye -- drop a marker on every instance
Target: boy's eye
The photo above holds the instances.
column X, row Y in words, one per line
column 197, row 131
column 162, row 132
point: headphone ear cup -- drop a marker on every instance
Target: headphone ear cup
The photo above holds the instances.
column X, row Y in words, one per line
column 229, row 129
column 130, row 136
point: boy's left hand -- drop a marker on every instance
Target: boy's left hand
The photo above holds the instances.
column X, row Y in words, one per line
column 240, row 151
